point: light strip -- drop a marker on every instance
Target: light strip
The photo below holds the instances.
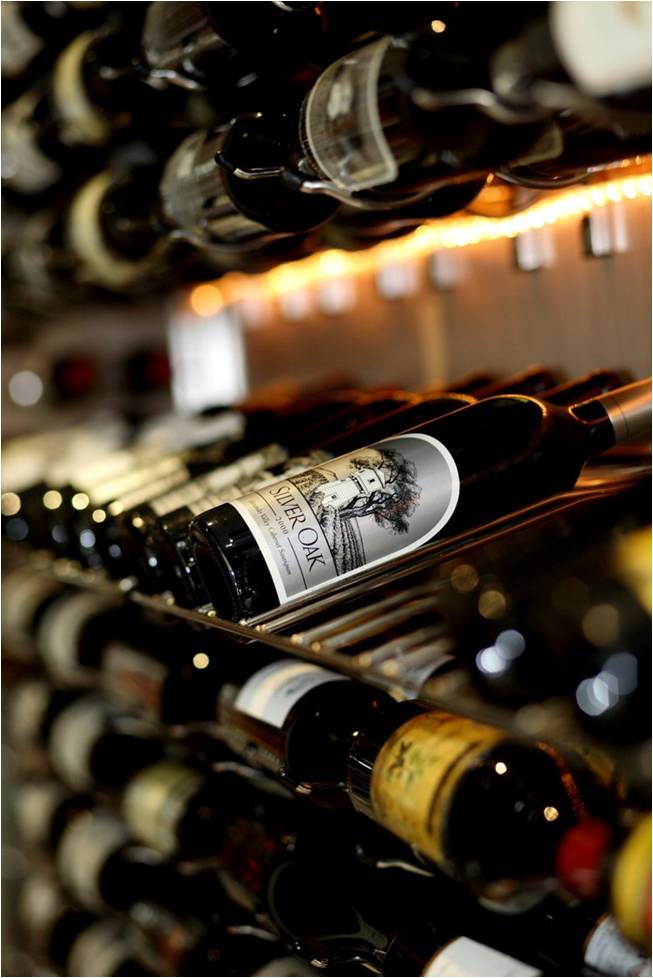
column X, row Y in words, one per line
column 454, row 232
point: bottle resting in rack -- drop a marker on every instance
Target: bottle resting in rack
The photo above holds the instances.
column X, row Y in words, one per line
column 379, row 503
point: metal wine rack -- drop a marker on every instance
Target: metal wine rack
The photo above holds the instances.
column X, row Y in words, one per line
column 346, row 626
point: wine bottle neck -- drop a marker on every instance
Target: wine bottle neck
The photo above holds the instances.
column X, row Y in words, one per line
column 618, row 416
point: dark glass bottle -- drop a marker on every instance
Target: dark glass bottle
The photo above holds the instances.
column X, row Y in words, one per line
column 91, row 743
column 33, row 33
column 153, row 538
column 487, row 809
column 73, row 633
column 172, row 675
column 182, row 811
column 103, row 869
column 491, row 458
column 43, row 808
column 50, row 924
column 108, row 948
column 298, row 720
column 32, row 709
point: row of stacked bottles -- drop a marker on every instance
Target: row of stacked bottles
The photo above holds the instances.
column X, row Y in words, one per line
column 199, row 805
column 187, row 139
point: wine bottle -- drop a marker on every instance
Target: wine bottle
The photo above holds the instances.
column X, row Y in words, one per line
column 172, row 675
column 191, row 945
column 108, row 948
column 73, row 633
column 380, row 147
column 345, row 515
column 32, row 710
column 50, row 924
column 32, row 35
column 27, row 596
column 92, row 743
column 102, row 868
column 43, row 808
column 145, row 534
column 429, row 780
column 297, row 721
column 595, row 861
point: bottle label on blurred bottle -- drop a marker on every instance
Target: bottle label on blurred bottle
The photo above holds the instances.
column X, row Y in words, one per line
column 352, row 513
column 59, row 634
column 343, row 124
column 19, row 44
column 155, row 802
column 35, row 806
column 24, row 167
column 271, row 693
column 81, row 122
column 416, row 773
column 466, row 957
column 134, row 678
column 85, row 847
column 73, row 735
column 101, row 949
column 608, row 952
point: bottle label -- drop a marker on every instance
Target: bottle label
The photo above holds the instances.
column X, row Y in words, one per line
column 23, row 594
column 80, row 120
column 605, row 47
column 39, row 905
column 36, row 803
column 28, row 705
column 59, row 634
column 221, row 478
column 100, row 950
column 72, row 739
column 416, row 773
column 19, row 44
column 343, row 125
column 608, row 952
column 631, row 885
column 84, row 849
column 155, row 802
column 285, row 968
column 25, row 167
column 134, row 678
column 270, row 693
column 354, row 512
column 464, row 957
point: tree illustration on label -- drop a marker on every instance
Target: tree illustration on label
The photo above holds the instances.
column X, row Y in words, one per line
column 352, row 512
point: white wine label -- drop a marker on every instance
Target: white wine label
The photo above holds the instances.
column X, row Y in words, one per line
column 26, row 711
column 155, row 801
column 85, row 846
column 72, row 737
column 19, row 44
column 223, row 477
column 39, row 904
column 36, row 802
column 352, row 513
column 81, row 122
column 343, row 125
column 609, row 953
column 25, row 167
column 605, row 47
column 99, row 950
column 271, row 692
column 60, row 630
column 464, row 958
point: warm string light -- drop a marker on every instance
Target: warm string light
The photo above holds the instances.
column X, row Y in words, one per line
column 455, row 232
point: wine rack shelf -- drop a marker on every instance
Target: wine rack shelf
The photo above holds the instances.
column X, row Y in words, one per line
column 346, row 627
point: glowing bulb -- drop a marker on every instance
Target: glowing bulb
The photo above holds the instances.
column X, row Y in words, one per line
column 10, row 503
column 206, row 300
column 99, row 516
column 500, row 767
column 138, row 522
column 25, row 388
column 438, row 26
column 52, row 499
column 551, row 813
column 200, row 660
column 80, row 500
